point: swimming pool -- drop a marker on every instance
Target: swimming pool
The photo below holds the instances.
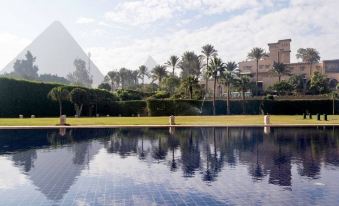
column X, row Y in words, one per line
column 184, row 166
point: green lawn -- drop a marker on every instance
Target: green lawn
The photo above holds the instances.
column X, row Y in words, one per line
column 180, row 120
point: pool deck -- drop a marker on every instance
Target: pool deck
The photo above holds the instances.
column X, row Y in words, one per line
column 163, row 126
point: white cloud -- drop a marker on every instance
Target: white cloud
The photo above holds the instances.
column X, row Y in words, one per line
column 309, row 25
column 149, row 11
column 85, row 20
column 10, row 45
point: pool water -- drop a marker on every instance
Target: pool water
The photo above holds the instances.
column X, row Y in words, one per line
column 183, row 166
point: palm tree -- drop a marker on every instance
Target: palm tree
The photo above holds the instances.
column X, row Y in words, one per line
column 114, row 78
column 243, row 83
column 280, row 69
column 59, row 94
column 190, row 64
column 173, row 62
column 208, row 51
column 214, row 69
column 228, row 78
column 189, row 83
column 308, row 55
column 142, row 73
column 159, row 72
column 124, row 75
column 257, row 54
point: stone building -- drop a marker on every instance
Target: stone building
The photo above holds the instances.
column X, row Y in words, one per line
column 281, row 52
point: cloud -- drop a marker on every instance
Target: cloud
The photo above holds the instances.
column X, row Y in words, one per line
column 84, row 20
column 309, row 25
column 149, row 11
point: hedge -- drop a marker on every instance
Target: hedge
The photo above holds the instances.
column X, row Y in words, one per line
column 30, row 98
column 199, row 107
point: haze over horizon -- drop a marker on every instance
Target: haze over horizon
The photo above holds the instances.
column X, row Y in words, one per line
column 124, row 33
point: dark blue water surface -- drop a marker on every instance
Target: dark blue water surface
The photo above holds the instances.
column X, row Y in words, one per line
column 188, row 166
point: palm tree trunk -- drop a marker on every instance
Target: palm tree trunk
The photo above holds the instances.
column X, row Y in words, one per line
column 60, row 108
column 215, row 85
column 333, row 105
column 279, row 77
column 173, row 71
column 191, row 92
column 243, row 102
column 206, row 86
column 228, row 99
column 257, row 77
column 310, row 70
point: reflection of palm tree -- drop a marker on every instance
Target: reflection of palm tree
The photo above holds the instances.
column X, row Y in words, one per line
column 159, row 153
column 190, row 155
column 173, row 143
column 142, row 154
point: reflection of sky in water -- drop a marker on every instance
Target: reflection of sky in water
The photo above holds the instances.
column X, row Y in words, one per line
column 211, row 167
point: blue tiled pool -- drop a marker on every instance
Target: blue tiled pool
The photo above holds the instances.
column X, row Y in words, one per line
column 185, row 166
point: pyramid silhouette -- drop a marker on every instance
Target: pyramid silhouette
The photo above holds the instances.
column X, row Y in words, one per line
column 55, row 50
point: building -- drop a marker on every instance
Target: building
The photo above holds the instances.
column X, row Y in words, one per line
column 281, row 52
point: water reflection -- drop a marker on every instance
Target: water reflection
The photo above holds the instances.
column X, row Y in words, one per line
column 202, row 153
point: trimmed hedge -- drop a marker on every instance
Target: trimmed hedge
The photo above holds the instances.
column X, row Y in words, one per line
column 30, row 98
column 199, row 107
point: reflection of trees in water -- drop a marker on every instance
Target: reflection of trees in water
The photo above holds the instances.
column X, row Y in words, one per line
column 190, row 152
column 25, row 159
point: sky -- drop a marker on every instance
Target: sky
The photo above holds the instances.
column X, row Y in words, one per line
column 123, row 33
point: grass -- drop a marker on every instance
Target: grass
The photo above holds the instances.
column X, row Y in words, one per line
column 180, row 120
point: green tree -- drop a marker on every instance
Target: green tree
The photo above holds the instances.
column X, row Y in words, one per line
column 283, row 88
column 53, row 78
column 159, row 72
column 319, row 83
column 280, row 69
column 257, row 54
column 78, row 97
column 173, row 62
column 81, row 76
column 170, row 84
column 142, row 73
column 297, row 82
column 228, row 78
column 25, row 68
column 113, row 77
column 308, row 55
column 215, row 68
column 190, row 65
column 105, row 86
column 189, row 83
column 243, row 84
column 208, row 51
column 59, row 94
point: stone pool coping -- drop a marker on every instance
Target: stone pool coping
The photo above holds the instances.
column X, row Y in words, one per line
column 163, row 126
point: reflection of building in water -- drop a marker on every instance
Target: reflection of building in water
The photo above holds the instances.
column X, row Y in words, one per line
column 53, row 171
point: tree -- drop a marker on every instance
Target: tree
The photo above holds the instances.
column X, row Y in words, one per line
column 189, row 83
column 159, row 72
column 142, row 73
column 283, row 87
column 257, row 54
column 319, row 83
column 228, row 77
column 190, row 65
column 114, row 78
column 78, row 97
column 297, row 82
column 173, row 62
column 308, row 55
column 280, row 69
column 25, row 68
column 81, row 76
column 208, row 51
column 214, row 69
column 243, row 84
column 334, row 96
column 105, row 86
column 170, row 84
column 53, row 78
column 59, row 94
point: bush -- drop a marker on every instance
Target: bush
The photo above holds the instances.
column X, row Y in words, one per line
column 161, row 95
column 125, row 95
column 28, row 97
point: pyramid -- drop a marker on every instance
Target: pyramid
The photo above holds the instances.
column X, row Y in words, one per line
column 55, row 50
column 150, row 63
